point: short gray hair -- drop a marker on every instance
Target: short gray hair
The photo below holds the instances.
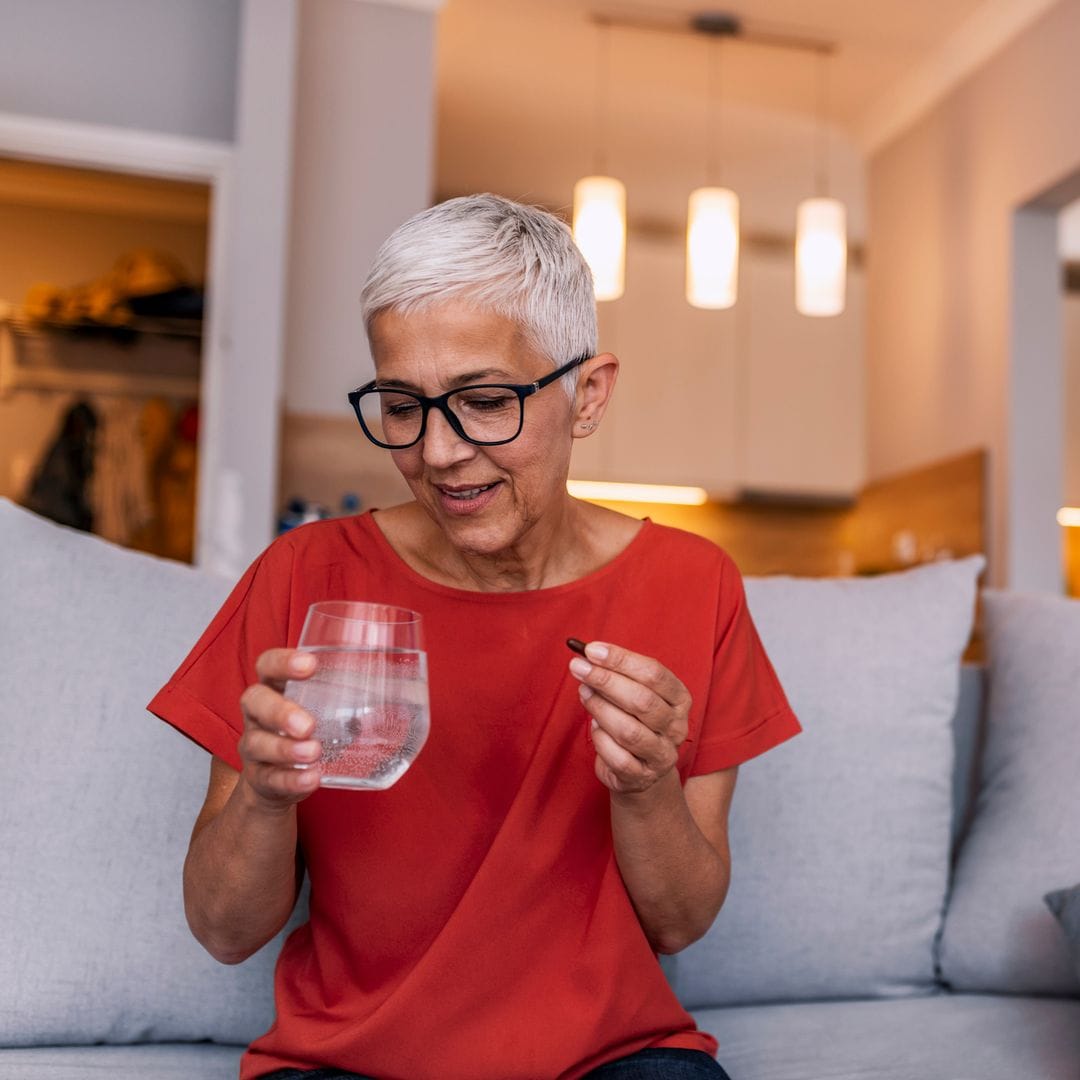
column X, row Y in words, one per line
column 518, row 261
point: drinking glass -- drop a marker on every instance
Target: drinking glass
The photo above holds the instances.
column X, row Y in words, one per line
column 368, row 693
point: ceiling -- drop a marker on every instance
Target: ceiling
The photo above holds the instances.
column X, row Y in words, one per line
column 878, row 44
column 520, row 102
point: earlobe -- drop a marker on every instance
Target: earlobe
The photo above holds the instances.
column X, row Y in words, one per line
column 594, row 393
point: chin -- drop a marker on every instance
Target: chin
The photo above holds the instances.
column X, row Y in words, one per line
column 479, row 537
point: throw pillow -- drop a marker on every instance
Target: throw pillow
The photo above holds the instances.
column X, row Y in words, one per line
column 998, row 936
column 840, row 838
column 99, row 801
column 1065, row 904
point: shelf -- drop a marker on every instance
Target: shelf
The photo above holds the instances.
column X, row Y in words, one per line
column 149, row 358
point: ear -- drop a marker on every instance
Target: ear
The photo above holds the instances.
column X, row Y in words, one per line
column 596, row 384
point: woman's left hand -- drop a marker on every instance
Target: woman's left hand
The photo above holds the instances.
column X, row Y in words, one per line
column 640, row 714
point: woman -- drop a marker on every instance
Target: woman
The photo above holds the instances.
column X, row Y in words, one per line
column 496, row 914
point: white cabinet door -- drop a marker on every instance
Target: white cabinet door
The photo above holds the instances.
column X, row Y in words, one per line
column 803, row 426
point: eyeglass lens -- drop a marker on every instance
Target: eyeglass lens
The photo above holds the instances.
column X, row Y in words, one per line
column 486, row 414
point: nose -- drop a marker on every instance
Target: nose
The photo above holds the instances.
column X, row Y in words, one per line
column 441, row 445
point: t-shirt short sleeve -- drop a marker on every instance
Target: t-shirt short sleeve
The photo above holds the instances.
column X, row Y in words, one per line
column 202, row 698
column 747, row 711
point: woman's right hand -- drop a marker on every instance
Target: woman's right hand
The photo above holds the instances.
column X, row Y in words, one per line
column 277, row 732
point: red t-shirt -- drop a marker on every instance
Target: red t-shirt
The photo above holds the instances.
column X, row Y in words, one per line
column 470, row 923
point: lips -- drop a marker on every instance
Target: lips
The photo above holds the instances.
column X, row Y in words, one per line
column 467, row 498
column 464, row 493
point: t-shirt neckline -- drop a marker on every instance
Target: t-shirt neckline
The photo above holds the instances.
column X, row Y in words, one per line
column 627, row 554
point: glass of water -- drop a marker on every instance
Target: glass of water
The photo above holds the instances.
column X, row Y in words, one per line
column 368, row 693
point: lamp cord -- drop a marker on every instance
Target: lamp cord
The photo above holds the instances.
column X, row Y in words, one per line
column 821, row 149
column 714, row 116
column 602, row 102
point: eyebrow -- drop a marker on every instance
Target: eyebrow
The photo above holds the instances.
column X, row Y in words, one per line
column 465, row 379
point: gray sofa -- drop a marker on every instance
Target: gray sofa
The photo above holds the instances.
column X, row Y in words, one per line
column 885, row 919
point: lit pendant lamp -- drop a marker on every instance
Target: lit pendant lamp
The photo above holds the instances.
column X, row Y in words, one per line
column 712, row 221
column 820, row 257
column 712, row 248
column 599, row 224
column 821, row 234
column 600, row 232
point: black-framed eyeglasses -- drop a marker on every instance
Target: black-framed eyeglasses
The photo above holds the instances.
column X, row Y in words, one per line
column 486, row 414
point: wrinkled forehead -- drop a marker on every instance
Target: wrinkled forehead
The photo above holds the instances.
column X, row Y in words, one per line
column 441, row 342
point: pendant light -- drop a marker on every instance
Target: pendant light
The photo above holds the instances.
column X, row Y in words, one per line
column 821, row 233
column 712, row 216
column 599, row 225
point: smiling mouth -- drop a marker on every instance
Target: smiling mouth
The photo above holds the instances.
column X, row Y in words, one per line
column 464, row 494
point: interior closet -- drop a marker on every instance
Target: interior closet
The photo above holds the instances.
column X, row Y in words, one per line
column 102, row 279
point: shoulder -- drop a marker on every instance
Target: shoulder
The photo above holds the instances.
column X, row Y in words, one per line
column 691, row 549
column 331, row 539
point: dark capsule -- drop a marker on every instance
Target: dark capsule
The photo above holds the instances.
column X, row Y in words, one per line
column 574, row 645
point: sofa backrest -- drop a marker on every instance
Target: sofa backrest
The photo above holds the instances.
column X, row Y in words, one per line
column 101, row 796
column 99, row 801
column 969, row 733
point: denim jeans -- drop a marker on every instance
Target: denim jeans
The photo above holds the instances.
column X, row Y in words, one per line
column 659, row 1063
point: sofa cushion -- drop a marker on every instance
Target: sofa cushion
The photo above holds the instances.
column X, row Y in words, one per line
column 1025, row 836
column 99, row 801
column 942, row 1037
column 169, row 1061
column 1065, row 904
column 840, row 838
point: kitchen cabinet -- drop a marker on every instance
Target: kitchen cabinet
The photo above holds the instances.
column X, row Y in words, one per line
column 753, row 398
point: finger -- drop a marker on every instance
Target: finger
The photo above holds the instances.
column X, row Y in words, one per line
column 264, row 707
column 263, row 748
column 277, row 666
column 635, row 737
column 632, row 697
column 275, row 781
column 628, row 770
column 641, row 669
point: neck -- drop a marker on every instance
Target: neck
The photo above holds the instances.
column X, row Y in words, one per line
column 553, row 549
column 549, row 552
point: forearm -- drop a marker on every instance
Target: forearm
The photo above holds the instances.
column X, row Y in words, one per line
column 241, row 877
column 675, row 878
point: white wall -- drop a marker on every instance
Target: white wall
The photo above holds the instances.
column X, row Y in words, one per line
column 157, row 65
column 364, row 144
column 942, row 199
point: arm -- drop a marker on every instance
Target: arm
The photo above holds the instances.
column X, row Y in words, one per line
column 671, row 845
column 673, row 855
column 243, row 869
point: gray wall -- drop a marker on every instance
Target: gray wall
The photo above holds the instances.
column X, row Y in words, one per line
column 157, row 65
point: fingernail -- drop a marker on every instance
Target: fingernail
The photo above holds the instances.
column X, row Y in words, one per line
column 596, row 650
column 306, row 751
column 298, row 724
column 585, row 692
column 302, row 663
column 593, row 724
column 580, row 667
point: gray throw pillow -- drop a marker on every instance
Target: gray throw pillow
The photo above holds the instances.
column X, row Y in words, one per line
column 998, row 936
column 99, row 801
column 1065, row 904
column 840, row 837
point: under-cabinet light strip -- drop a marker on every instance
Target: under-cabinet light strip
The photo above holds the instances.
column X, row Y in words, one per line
column 647, row 493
